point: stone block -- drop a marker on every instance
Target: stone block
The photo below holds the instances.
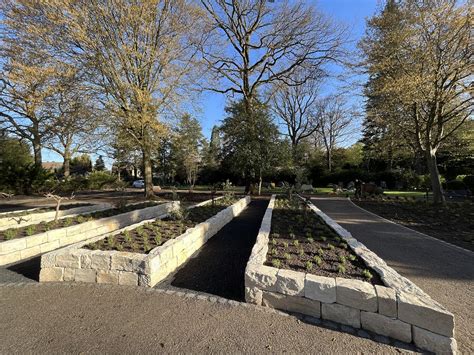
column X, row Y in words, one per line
column 56, row 234
column 253, row 295
column 8, row 258
column 290, row 282
column 48, row 260
column 107, row 277
column 320, row 288
column 29, row 252
column 36, row 240
column 13, row 245
column 85, row 275
column 356, row 294
column 128, row 278
column 69, row 260
column 49, row 246
column 69, row 274
column 383, row 325
column 341, row 314
column 435, row 343
column 294, row 304
column 425, row 313
column 51, row 274
column 387, row 301
column 262, row 277
column 128, row 262
column 100, row 260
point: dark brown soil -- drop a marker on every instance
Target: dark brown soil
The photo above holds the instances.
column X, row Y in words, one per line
column 153, row 234
column 45, row 209
column 42, row 227
column 453, row 223
column 299, row 240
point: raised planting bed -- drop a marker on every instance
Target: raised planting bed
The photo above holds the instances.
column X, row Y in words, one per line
column 141, row 254
column 301, row 241
column 24, row 218
column 35, row 239
column 389, row 304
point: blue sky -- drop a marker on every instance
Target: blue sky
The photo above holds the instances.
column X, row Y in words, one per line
column 352, row 13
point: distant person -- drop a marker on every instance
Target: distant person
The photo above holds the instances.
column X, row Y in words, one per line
column 358, row 188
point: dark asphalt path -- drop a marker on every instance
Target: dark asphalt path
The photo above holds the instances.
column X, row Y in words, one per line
column 219, row 267
column 446, row 273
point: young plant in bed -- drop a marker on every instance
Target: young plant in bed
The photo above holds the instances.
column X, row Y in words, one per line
column 30, row 230
column 9, row 234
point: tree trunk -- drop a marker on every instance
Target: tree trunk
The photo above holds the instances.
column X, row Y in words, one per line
column 147, row 175
column 329, row 159
column 67, row 165
column 37, row 151
column 438, row 196
column 260, row 184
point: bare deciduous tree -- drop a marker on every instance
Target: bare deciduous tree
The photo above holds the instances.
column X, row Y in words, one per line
column 296, row 106
column 258, row 43
column 334, row 121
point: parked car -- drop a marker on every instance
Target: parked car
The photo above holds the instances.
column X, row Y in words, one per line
column 139, row 184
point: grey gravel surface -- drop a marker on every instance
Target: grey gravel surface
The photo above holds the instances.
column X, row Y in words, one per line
column 445, row 272
column 81, row 318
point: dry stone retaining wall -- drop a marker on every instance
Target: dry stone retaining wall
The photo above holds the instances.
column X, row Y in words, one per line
column 76, row 264
column 26, row 247
column 399, row 310
column 33, row 218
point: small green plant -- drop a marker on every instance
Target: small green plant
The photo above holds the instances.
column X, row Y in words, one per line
column 309, row 265
column 342, row 259
column 337, row 239
column 127, row 237
column 296, row 243
column 343, row 245
column 320, row 252
column 274, row 252
column 317, row 259
column 146, row 246
column 111, row 241
column 308, row 235
column 330, row 246
column 285, row 245
column 275, row 235
column 367, row 274
column 158, row 239
column 274, row 242
column 292, row 235
column 310, row 240
column 301, row 252
column 323, row 238
column 287, row 256
column 135, row 247
column 30, row 230
column 119, row 247
column 341, row 268
column 140, row 230
column 9, row 234
column 351, row 257
column 276, row 263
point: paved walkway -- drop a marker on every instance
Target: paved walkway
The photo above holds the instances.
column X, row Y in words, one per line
column 90, row 318
column 446, row 273
column 219, row 266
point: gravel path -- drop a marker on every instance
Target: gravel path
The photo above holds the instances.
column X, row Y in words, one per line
column 83, row 318
column 444, row 271
column 219, row 267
